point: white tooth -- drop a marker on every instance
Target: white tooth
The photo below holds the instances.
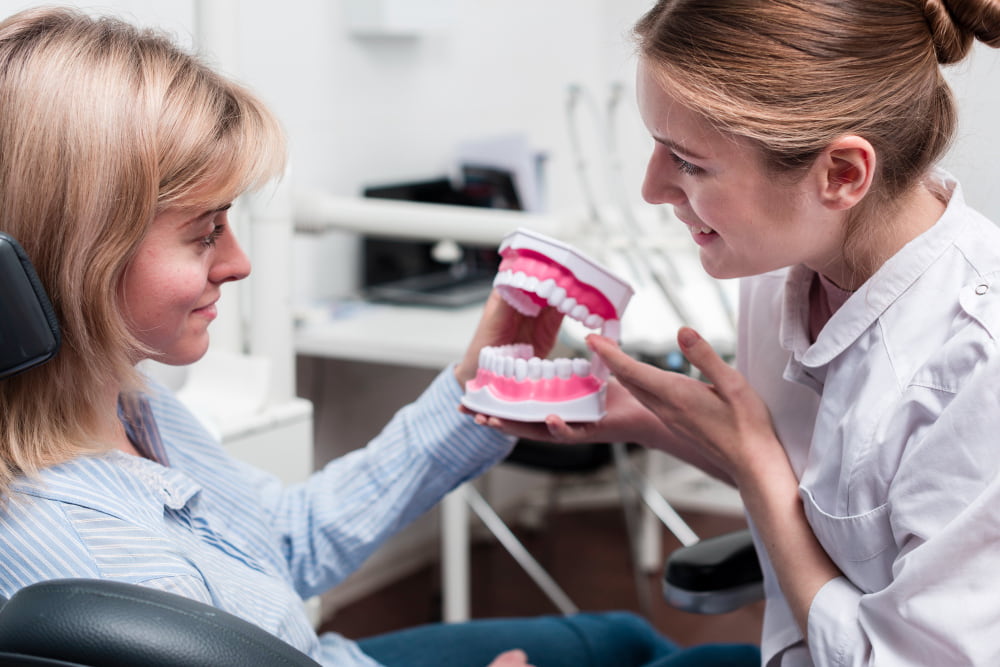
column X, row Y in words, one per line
column 508, row 367
column 531, row 284
column 519, row 280
column 564, row 368
column 502, row 278
column 567, row 305
column 545, row 288
column 484, row 357
column 557, row 296
column 495, row 362
column 535, row 368
column 594, row 321
column 579, row 313
column 548, row 369
column 581, row 367
column 520, row 369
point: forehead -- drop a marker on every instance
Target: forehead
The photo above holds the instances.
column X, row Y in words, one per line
column 672, row 121
column 664, row 114
column 200, row 197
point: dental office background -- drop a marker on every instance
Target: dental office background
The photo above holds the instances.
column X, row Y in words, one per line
column 381, row 91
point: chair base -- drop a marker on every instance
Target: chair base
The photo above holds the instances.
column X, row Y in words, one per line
column 712, row 602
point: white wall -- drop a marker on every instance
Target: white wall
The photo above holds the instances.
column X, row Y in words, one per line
column 975, row 158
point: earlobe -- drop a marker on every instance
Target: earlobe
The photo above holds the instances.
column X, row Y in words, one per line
column 847, row 167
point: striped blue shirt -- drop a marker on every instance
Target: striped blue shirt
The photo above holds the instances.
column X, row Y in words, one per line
column 192, row 520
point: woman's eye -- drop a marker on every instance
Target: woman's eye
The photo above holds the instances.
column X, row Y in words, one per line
column 209, row 241
column 684, row 166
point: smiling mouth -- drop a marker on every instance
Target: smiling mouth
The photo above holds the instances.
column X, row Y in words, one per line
column 537, row 272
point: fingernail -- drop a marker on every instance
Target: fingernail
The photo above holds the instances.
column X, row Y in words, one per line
column 688, row 337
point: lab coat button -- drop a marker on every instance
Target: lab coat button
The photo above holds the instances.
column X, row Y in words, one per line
column 982, row 289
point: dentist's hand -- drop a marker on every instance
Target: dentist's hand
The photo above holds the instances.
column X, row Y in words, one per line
column 723, row 418
column 501, row 324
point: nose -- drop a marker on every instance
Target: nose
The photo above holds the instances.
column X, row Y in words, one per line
column 230, row 262
column 660, row 186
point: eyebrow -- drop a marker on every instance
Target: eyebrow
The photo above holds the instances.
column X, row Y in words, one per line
column 674, row 146
column 197, row 217
column 213, row 211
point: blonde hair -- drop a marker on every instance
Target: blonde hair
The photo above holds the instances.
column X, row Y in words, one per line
column 102, row 126
column 794, row 75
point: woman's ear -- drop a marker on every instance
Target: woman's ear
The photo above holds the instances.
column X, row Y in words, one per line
column 845, row 170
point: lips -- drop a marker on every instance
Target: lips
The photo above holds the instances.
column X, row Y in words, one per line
column 208, row 309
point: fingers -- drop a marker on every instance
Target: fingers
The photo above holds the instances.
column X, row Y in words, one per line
column 515, row 658
column 616, row 360
column 639, row 376
column 553, row 429
column 642, row 380
column 703, row 356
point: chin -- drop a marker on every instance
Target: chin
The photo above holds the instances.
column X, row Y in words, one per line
column 721, row 272
column 183, row 356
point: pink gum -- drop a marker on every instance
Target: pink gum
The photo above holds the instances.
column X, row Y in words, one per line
column 550, row 390
column 535, row 264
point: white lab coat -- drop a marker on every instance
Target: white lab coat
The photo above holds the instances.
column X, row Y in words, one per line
column 891, row 421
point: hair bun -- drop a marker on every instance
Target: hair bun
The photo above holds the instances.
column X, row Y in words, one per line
column 955, row 23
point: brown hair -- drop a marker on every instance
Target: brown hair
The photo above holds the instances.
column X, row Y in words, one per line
column 102, row 126
column 794, row 75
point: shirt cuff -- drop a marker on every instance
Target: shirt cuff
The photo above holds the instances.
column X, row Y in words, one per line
column 834, row 607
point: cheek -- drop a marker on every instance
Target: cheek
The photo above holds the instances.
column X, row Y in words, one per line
column 154, row 296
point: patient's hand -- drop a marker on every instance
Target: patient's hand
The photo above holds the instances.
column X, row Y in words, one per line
column 515, row 658
column 501, row 324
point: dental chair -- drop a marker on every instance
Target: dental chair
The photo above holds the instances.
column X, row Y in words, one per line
column 95, row 622
column 715, row 575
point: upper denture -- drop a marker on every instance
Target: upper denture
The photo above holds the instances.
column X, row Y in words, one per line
column 537, row 271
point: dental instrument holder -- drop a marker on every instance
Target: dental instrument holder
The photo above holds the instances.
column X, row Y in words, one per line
column 615, row 291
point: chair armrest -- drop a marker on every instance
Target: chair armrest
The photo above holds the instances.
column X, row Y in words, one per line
column 715, row 575
column 112, row 624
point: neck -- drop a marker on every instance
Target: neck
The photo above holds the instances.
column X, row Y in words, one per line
column 875, row 241
column 111, row 430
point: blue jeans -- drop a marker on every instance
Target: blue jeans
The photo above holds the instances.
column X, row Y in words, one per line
column 612, row 639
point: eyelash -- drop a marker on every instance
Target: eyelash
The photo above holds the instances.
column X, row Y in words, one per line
column 684, row 166
column 209, row 241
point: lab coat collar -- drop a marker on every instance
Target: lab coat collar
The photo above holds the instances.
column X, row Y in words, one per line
column 872, row 299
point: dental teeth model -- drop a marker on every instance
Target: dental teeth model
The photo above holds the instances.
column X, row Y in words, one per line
column 537, row 271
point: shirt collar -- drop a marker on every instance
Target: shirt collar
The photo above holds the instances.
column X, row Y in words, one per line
column 872, row 299
column 136, row 415
column 113, row 475
column 166, row 486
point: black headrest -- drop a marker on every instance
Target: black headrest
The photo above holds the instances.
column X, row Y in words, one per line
column 29, row 331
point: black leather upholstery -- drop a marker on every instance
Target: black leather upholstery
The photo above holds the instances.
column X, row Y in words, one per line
column 715, row 575
column 29, row 332
column 100, row 623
